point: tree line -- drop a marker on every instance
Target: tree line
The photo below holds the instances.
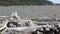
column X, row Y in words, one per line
column 24, row 2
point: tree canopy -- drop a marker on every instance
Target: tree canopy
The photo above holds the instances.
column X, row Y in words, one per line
column 24, row 2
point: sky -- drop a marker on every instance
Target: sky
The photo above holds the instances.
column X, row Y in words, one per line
column 55, row 1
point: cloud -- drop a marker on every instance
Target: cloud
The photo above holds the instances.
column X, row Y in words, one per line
column 55, row 1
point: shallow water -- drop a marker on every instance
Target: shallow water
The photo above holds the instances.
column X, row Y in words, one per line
column 30, row 11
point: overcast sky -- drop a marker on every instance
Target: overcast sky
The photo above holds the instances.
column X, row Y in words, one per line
column 55, row 1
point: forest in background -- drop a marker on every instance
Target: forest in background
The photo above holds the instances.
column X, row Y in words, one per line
column 24, row 2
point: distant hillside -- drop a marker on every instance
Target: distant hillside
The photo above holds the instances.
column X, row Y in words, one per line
column 24, row 2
